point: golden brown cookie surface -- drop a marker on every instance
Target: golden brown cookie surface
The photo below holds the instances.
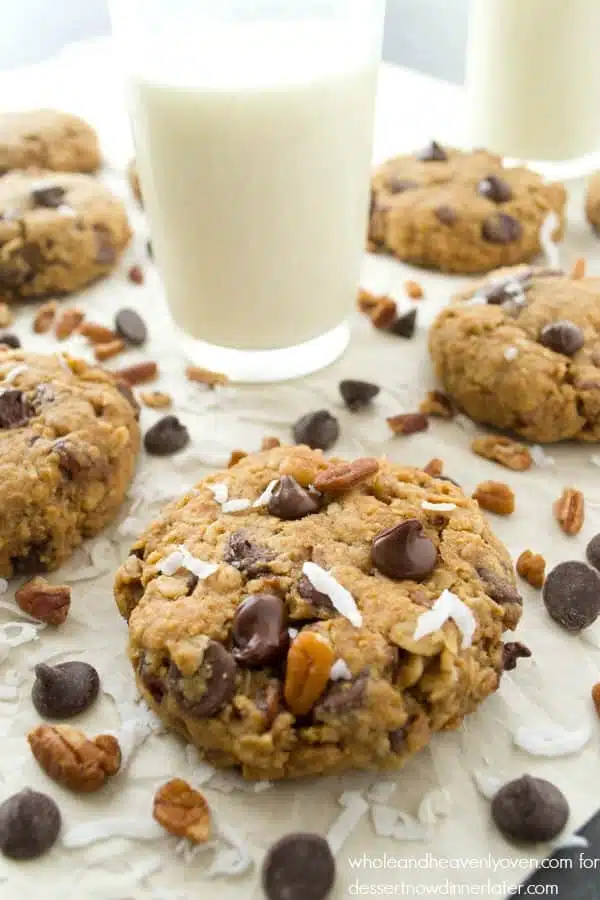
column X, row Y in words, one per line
column 47, row 139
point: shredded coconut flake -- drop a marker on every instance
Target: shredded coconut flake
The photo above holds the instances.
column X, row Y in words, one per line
column 232, row 860
column 571, row 840
column 511, row 353
column 132, row 734
column 266, row 495
column 342, row 827
column 549, row 248
column 447, row 606
column 228, row 782
column 236, row 505
column 390, row 822
column 381, row 791
column 141, row 828
column 13, row 634
column 293, row 633
column 436, row 804
column 552, row 740
column 595, row 459
column 325, row 583
column 464, row 423
column 487, row 785
column 541, row 458
column 340, row 671
column 3, row 585
column 14, row 373
column 438, row 507
column 220, row 491
column 181, row 558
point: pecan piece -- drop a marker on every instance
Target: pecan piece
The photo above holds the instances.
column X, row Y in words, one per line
column 578, row 270
column 139, row 373
column 269, row 442
column 136, row 274
column 44, row 317
column 182, row 811
column 235, row 457
column 67, row 322
column 434, row 467
column 503, row 450
column 309, row 663
column 72, row 759
column 382, row 311
column 408, row 423
column 436, row 403
column 413, row 290
column 496, row 497
column 531, row 566
column 344, row 476
column 205, row 376
column 6, row 316
column 47, row 602
column 596, row 697
column 569, row 511
column 156, row 399
column 97, row 334
column 109, row 349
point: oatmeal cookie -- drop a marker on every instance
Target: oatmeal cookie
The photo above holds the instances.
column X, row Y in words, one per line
column 592, row 202
column 273, row 625
column 68, row 444
column 47, row 139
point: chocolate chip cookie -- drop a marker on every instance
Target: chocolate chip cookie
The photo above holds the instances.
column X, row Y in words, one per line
column 68, row 444
column 58, row 233
column 294, row 615
column 133, row 178
column 47, row 139
column 592, row 202
column 521, row 351
column 460, row 212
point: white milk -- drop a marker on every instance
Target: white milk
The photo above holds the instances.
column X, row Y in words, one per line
column 255, row 167
column 533, row 77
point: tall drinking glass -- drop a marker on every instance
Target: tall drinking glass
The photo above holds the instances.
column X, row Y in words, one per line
column 253, row 126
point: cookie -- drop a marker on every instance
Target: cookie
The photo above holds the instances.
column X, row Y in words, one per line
column 68, row 444
column 133, row 178
column 460, row 212
column 277, row 632
column 47, row 139
column 521, row 351
column 58, row 233
column 592, row 202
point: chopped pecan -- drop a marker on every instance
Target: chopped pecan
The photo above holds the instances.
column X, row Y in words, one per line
column 434, row 467
column 531, row 566
column 235, row 457
column 109, row 349
column 97, row 334
column 413, row 290
column 182, row 811
column 47, row 602
column 496, row 497
column 156, row 399
column 72, row 759
column 205, row 376
column 6, row 315
column 503, row 450
column 578, row 270
column 67, row 322
column 136, row 274
column 269, row 443
column 344, row 476
column 366, row 301
column 408, row 423
column 512, row 652
column 44, row 317
column 139, row 373
column 569, row 511
column 309, row 663
column 382, row 311
column 436, row 403
column 596, row 697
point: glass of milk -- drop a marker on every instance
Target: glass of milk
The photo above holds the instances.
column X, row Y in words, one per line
column 253, row 124
column 533, row 82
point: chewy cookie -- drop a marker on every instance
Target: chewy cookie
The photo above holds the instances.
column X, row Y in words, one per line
column 68, row 444
column 58, row 233
column 592, row 202
column 274, row 624
column 47, row 139
column 460, row 212
column 133, row 178
column 521, row 351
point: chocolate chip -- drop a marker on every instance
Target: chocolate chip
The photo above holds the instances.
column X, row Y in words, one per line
column 15, row 409
column 562, row 337
column 50, row 197
column 166, row 436
column 397, row 185
column 29, row 824
column 130, row 325
column 205, row 693
column 308, row 592
column 124, row 389
column 512, row 652
column 501, row 229
column 397, row 740
column 106, row 254
column 405, row 325
column 343, row 697
column 259, row 631
column 246, row 556
column 298, row 867
column 446, row 214
column 358, row 394
column 530, row 809
column 10, row 340
column 291, row 501
column 495, row 189
column 403, row 551
column 592, row 551
column 498, row 588
column 63, row 691
column 572, row 595
column 433, row 152
column 319, row 430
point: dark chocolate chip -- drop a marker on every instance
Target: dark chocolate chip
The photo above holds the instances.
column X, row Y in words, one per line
column 530, row 809
column 319, row 430
column 75, row 458
column 308, row 592
column 342, row 697
column 446, row 214
column 166, row 436
column 512, row 652
column 358, row 394
column 298, row 867
column 29, row 824
column 124, row 389
column 403, row 551
column 211, row 688
column 10, row 340
column 405, row 325
column 501, row 229
column 290, row 500
column 50, row 197
column 433, row 152
column 562, row 337
column 572, row 595
column 246, row 556
column 498, row 588
column 592, row 551
column 15, row 409
column 106, row 254
column 65, row 690
column 495, row 189
column 131, row 327
column 259, row 631
column 397, row 739
column 397, row 185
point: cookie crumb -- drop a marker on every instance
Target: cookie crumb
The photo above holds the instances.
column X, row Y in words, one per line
column 578, row 270
column 532, row 567
column 504, row 451
column 44, row 317
column 569, row 511
column 596, row 697
column 269, row 443
column 408, row 423
column 139, row 373
column 235, row 457
column 200, row 375
column 136, row 274
column 438, row 404
column 156, row 399
column 496, row 497
column 414, row 290
column 106, row 351
column 6, row 316
column 434, row 467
